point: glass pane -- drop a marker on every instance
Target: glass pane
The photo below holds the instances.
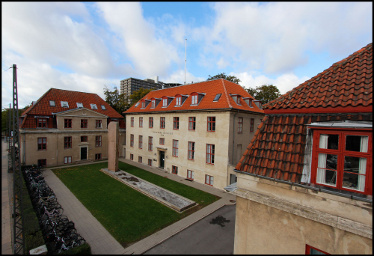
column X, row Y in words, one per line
column 353, row 167
column 331, row 161
column 326, row 177
column 356, row 143
column 333, row 141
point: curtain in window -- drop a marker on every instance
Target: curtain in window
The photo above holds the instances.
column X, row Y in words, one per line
column 321, row 173
column 364, row 144
column 362, row 171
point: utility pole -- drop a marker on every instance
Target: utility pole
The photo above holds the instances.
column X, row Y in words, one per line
column 185, row 60
column 10, row 168
column 19, row 238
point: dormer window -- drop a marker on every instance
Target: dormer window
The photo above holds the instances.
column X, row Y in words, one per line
column 93, row 106
column 143, row 104
column 79, row 105
column 52, row 103
column 164, row 102
column 258, row 104
column 194, row 99
column 153, row 103
column 217, row 97
column 248, row 101
column 342, row 159
column 103, row 107
column 64, row 104
column 236, row 98
column 178, row 101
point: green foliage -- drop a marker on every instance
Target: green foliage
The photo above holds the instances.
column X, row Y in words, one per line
column 116, row 100
column 233, row 79
column 138, row 95
column 5, row 118
column 264, row 93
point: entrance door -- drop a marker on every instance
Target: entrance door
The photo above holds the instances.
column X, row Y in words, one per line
column 162, row 159
column 83, row 153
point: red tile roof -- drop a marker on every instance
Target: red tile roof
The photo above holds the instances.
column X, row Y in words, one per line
column 347, row 84
column 42, row 106
column 277, row 148
column 209, row 88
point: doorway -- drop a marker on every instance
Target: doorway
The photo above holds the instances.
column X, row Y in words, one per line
column 162, row 159
column 83, row 153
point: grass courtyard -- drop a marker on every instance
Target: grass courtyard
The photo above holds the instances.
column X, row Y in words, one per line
column 126, row 213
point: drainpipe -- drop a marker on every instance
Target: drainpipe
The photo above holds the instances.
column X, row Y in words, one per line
column 233, row 144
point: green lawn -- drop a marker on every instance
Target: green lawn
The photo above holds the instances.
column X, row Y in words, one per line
column 126, row 213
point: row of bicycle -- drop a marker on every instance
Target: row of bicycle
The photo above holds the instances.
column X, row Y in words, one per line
column 59, row 232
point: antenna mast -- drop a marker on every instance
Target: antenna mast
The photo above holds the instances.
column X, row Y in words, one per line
column 185, row 60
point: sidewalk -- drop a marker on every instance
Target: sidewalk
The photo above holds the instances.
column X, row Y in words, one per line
column 6, row 202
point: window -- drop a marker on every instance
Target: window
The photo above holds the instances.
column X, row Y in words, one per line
column 93, row 106
column 211, row 123
column 190, row 174
column 103, row 107
column 209, row 180
column 153, row 103
column 174, row 169
column 98, row 156
column 42, row 143
column 175, row 148
column 84, row 138
column 216, row 98
column 132, row 122
column 140, row 122
column 79, row 105
column 309, row 250
column 64, row 104
column 178, row 101
column 42, row 123
column 42, row 162
column 191, row 150
column 150, row 162
column 143, row 104
column 342, row 160
column 238, row 100
column 210, row 153
column 52, row 103
column 67, row 160
column 98, row 141
column 131, row 157
column 99, row 124
column 150, row 143
column 164, row 102
column 191, row 123
column 140, row 159
column 83, row 123
column 151, row 122
column 162, row 141
column 67, row 123
column 140, row 141
column 131, row 140
column 67, row 142
column 176, row 123
column 162, row 122
column 252, row 127
column 240, row 125
column 194, row 99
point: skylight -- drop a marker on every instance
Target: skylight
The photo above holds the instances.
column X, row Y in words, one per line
column 103, row 107
column 93, row 106
column 52, row 103
column 218, row 96
column 64, row 104
column 79, row 105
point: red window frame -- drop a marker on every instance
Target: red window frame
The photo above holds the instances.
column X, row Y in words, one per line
column 132, row 121
column 42, row 123
column 211, row 123
column 164, row 102
column 99, row 124
column 42, row 143
column 341, row 153
column 150, row 123
column 194, row 99
column 192, row 123
column 98, row 141
column 132, row 157
column 68, row 142
column 210, row 150
column 191, row 150
column 178, row 101
column 252, row 128
column 190, row 175
column 131, row 140
column 140, row 141
column 209, row 180
column 84, row 123
column 240, row 124
column 150, row 143
column 150, row 162
column 141, row 122
column 309, row 250
column 140, row 159
column 175, row 123
column 174, row 169
column 98, row 156
column 175, row 148
column 42, row 162
column 162, row 141
column 67, row 123
column 162, row 122
column 153, row 103
column 84, row 138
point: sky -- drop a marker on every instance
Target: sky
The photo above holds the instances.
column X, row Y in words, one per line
column 89, row 46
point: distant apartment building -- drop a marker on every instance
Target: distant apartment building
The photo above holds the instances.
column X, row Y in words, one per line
column 66, row 127
column 197, row 131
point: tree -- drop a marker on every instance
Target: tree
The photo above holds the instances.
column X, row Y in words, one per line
column 233, row 79
column 5, row 117
column 115, row 100
column 264, row 93
column 137, row 95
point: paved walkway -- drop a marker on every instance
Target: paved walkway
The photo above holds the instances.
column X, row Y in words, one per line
column 98, row 237
column 6, row 202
